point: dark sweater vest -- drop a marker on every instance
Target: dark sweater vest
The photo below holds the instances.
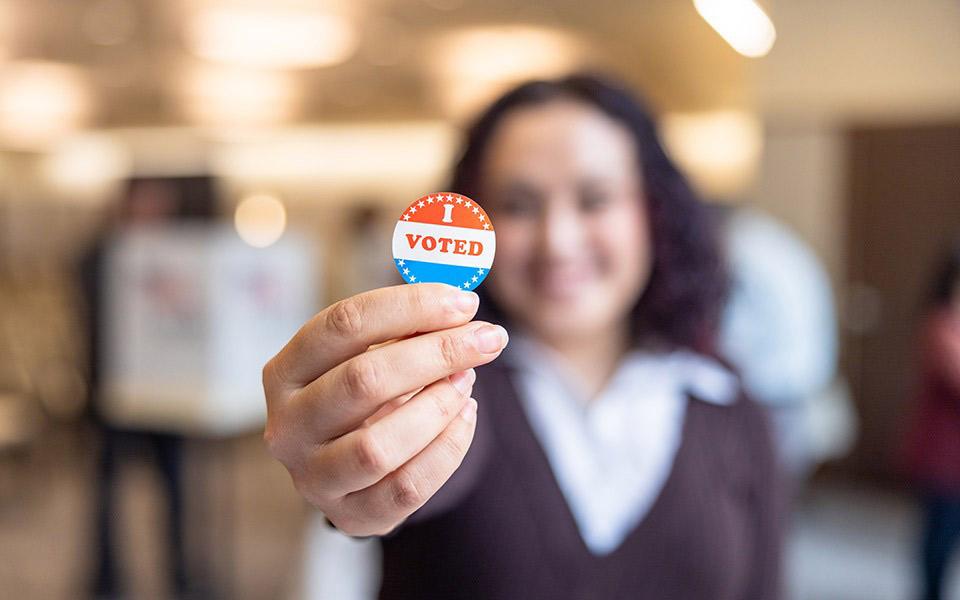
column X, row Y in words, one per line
column 500, row 529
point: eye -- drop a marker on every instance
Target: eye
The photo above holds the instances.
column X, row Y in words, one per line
column 518, row 205
column 594, row 200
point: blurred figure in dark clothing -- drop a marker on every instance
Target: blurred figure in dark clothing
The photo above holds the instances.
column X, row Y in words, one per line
column 368, row 266
column 146, row 201
column 933, row 447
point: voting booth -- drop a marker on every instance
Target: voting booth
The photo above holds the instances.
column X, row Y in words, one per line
column 191, row 315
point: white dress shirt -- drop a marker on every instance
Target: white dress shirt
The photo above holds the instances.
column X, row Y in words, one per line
column 612, row 454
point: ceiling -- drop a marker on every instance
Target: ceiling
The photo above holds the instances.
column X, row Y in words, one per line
column 133, row 52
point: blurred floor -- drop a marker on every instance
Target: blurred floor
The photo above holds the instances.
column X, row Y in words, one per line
column 855, row 543
column 238, row 498
column 848, row 542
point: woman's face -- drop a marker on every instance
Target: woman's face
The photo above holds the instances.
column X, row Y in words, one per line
column 561, row 184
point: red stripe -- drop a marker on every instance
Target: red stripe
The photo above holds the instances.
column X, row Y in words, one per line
column 462, row 214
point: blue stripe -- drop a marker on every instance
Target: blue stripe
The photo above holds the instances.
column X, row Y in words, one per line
column 414, row 271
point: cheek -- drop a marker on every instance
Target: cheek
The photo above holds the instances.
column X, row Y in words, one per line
column 515, row 251
column 627, row 247
column 515, row 239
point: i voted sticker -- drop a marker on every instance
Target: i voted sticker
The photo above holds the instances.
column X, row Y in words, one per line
column 444, row 238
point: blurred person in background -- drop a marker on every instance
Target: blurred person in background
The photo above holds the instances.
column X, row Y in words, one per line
column 780, row 331
column 614, row 455
column 145, row 202
column 933, row 445
column 368, row 263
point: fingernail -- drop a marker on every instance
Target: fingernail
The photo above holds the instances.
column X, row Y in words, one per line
column 466, row 301
column 490, row 338
column 463, row 380
column 469, row 411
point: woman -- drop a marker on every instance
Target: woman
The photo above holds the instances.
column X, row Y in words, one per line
column 934, row 445
column 612, row 458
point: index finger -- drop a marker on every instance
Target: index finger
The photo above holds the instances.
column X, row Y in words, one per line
column 348, row 327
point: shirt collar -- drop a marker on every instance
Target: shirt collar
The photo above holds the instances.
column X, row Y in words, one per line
column 682, row 371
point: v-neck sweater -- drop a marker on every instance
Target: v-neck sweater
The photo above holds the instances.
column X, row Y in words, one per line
column 611, row 453
column 500, row 529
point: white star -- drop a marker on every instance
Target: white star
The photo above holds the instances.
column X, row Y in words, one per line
column 474, row 278
column 459, row 200
column 430, row 200
column 400, row 262
column 467, row 204
column 421, row 204
column 479, row 271
column 406, row 217
column 413, row 278
column 406, row 271
column 486, row 226
column 466, row 284
column 413, row 210
column 449, row 198
column 482, row 218
column 476, row 210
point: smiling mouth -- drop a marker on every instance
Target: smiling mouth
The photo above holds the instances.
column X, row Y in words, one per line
column 562, row 283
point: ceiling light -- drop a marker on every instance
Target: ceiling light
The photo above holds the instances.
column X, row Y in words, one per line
column 85, row 164
column 742, row 23
column 378, row 156
column 473, row 65
column 40, row 101
column 720, row 150
column 230, row 96
column 270, row 37
column 260, row 220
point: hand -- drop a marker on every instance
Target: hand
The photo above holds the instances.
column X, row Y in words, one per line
column 370, row 428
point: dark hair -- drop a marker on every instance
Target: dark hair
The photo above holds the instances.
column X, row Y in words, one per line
column 195, row 196
column 946, row 278
column 683, row 298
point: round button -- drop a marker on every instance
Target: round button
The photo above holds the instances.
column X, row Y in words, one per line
column 444, row 238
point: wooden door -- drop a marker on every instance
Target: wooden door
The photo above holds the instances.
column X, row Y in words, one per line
column 903, row 211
